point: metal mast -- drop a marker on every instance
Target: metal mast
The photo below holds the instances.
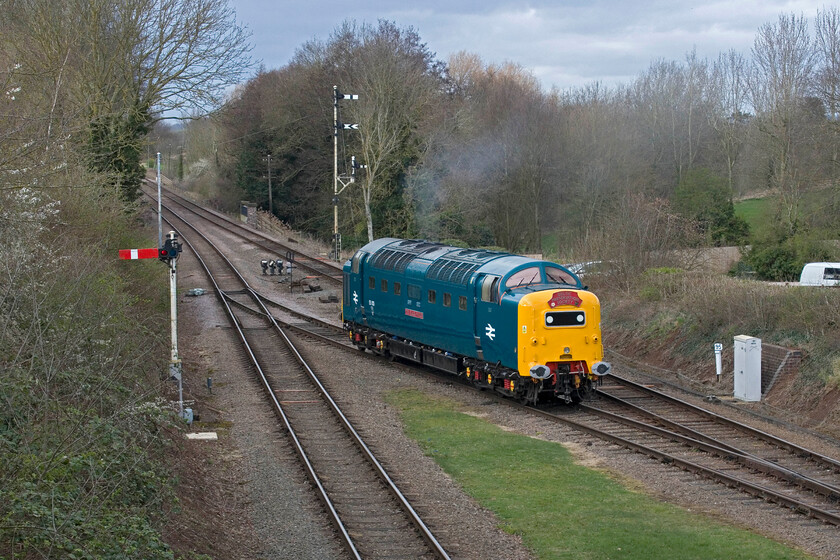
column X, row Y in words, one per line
column 336, row 178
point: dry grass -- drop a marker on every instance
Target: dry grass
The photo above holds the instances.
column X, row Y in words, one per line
column 683, row 313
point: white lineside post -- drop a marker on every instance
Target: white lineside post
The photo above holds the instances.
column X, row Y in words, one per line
column 168, row 253
column 718, row 360
column 160, row 216
column 175, row 360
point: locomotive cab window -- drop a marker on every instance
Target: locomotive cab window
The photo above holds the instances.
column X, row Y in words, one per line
column 371, row 282
column 397, row 288
column 559, row 276
column 490, row 289
column 384, row 285
column 524, row 277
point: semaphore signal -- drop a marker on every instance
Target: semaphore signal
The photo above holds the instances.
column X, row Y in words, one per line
column 168, row 252
column 131, row 254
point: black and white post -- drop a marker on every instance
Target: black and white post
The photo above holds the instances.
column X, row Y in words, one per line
column 336, row 178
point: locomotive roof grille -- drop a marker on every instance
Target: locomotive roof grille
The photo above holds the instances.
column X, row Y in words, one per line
column 392, row 259
column 450, row 270
column 455, row 266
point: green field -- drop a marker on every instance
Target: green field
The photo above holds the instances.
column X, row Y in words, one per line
column 756, row 212
column 560, row 508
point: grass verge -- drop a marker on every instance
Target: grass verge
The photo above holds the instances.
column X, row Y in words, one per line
column 562, row 509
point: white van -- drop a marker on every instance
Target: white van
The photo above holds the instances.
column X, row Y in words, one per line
column 820, row 274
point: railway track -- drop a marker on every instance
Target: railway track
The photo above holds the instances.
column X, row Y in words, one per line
column 673, row 432
column 314, row 266
column 711, row 446
column 369, row 512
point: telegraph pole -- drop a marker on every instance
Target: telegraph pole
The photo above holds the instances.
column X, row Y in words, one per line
column 336, row 178
column 160, row 216
column 270, row 206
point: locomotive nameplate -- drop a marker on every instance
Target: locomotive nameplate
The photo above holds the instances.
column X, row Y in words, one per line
column 413, row 313
column 565, row 297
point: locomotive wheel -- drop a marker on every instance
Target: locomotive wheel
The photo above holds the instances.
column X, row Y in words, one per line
column 531, row 395
column 585, row 393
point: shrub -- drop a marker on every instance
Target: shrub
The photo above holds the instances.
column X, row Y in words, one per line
column 661, row 283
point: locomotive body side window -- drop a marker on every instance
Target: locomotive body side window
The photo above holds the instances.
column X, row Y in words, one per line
column 397, row 287
column 384, row 285
column 413, row 291
column 432, row 296
column 371, row 282
column 357, row 258
column 347, row 297
column 462, row 303
column 490, row 289
column 447, row 299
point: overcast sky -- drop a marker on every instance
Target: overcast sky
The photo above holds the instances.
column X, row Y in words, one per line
column 565, row 43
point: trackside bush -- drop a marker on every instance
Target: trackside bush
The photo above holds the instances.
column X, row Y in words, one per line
column 81, row 471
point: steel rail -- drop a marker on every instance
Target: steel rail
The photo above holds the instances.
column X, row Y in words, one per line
column 425, row 532
column 721, row 449
column 696, row 440
column 769, row 438
column 278, row 408
column 324, row 269
column 753, row 489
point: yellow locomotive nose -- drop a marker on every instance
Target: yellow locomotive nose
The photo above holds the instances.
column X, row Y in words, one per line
column 560, row 334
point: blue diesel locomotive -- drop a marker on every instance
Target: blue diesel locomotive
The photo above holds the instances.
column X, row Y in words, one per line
column 523, row 327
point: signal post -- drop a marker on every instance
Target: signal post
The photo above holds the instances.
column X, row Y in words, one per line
column 168, row 252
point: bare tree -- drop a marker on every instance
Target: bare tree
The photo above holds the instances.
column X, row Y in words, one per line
column 729, row 118
column 123, row 64
column 828, row 78
column 672, row 103
column 781, row 78
column 396, row 79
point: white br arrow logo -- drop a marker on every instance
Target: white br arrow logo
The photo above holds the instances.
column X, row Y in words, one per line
column 355, row 298
column 490, row 331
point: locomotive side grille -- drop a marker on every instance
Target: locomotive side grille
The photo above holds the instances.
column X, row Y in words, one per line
column 381, row 257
